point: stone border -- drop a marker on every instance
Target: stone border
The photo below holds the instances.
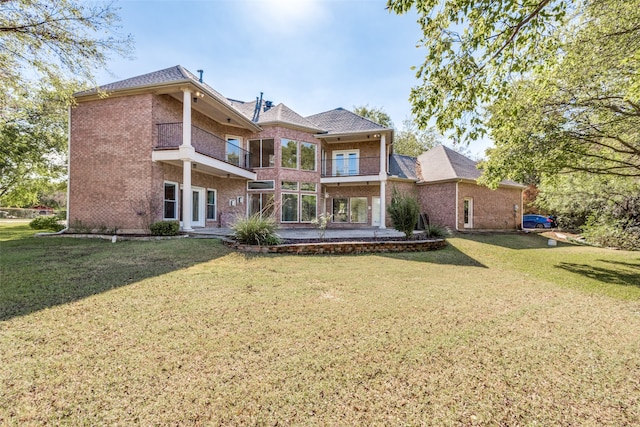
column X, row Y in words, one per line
column 113, row 237
column 344, row 247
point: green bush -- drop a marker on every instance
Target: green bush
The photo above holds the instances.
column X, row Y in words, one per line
column 436, row 231
column 48, row 222
column 165, row 228
column 404, row 212
column 612, row 235
column 256, row 230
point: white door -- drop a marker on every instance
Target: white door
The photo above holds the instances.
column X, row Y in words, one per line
column 198, row 209
column 375, row 211
column 468, row 213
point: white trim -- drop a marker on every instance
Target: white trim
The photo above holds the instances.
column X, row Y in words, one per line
column 345, row 153
column 177, row 201
column 241, row 159
column 457, row 207
column 468, row 224
column 297, row 166
column 373, row 211
column 67, row 220
column 315, row 156
column 316, row 205
column 206, row 205
column 282, row 194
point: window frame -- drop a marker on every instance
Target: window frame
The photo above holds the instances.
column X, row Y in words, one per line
column 315, row 155
column 175, row 201
column 271, row 162
column 273, row 185
column 297, row 153
column 241, row 159
column 315, row 215
column 215, row 205
column 345, row 153
column 296, row 210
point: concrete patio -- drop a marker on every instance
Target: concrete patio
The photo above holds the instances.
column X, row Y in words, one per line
column 307, row 233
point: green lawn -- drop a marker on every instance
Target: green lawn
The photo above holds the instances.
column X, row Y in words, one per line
column 492, row 330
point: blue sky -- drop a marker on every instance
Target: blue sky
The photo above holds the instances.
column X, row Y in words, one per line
column 312, row 55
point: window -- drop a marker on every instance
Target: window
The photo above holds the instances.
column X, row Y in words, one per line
column 353, row 210
column 260, row 185
column 234, row 151
column 211, row 204
column 289, row 154
column 468, row 213
column 340, row 210
column 289, row 207
column 261, row 204
column 289, row 185
column 307, row 156
column 262, row 153
column 308, row 207
column 170, row 204
column 345, row 163
column 358, row 211
column 308, row 186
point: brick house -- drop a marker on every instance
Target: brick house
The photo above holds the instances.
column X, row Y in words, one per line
column 167, row 146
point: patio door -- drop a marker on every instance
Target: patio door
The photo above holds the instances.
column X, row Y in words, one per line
column 375, row 211
column 345, row 163
column 198, row 207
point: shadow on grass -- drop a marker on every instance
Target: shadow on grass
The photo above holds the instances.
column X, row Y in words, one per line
column 615, row 275
column 512, row 240
column 449, row 255
column 38, row 273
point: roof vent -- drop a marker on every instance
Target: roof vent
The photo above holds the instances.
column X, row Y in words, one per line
column 200, row 72
column 267, row 105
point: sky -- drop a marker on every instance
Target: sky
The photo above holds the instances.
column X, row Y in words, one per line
column 311, row 55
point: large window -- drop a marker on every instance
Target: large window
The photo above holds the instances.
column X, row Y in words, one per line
column 170, row 204
column 294, row 150
column 308, row 207
column 289, row 154
column 211, row 204
column 261, row 204
column 262, row 153
column 289, row 207
column 307, row 156
column 260, row 185
column 234, row 150
column 353, row 210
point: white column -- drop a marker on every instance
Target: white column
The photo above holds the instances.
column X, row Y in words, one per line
column 383, row 181
column 186, row 148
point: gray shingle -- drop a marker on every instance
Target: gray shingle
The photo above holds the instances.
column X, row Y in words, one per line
column 341, row 121
column 403, row 166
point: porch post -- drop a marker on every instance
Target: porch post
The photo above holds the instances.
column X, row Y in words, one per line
column 383, row 181
column 186, row 148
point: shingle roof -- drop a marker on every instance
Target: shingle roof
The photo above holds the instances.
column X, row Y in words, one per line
column 168, row 75
column 341, row 121
column 278, row 114
column 442, row 163
column 403, row 166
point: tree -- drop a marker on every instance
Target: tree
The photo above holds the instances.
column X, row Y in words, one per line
column 57, row 39
column 33, row 144
column 48, row 50
column 580, row 114
column 412, row 141
column 474, row 49
column 375, row 114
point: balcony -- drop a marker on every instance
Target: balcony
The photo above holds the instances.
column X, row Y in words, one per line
column 203, row 142
column 351, row 166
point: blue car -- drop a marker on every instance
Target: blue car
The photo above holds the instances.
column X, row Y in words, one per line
column 538, row 221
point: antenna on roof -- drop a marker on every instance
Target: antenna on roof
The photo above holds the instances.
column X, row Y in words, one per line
column 200, row 72
column 256, row 111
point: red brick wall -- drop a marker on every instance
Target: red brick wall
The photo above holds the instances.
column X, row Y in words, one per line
column 492, row 209
column 110, row 169
column 438, row 201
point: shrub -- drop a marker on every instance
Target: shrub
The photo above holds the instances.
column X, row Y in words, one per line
column 256, row 230
column 48, row 222
column 435, row 231
column 612, row 235
column 404, row 211
column 165, row 228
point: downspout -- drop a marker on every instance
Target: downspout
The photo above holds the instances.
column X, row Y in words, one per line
column 457, row 206
column 67, row 222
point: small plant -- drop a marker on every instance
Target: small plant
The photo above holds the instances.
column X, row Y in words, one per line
column 49, row 222
column 256, row 230
column 404, row 211
column 435, row 231
column 165, row 228
column 321, row 223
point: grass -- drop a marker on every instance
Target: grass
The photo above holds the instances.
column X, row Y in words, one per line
column 492, row 330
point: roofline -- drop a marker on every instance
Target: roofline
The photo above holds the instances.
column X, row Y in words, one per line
column 360, row 132
column 469, row 181
column 289, row 125
column 96, row 94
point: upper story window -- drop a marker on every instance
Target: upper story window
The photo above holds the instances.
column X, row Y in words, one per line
column 298, row 155
column 234, row 152
column 346, row 163
column 262, row 153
